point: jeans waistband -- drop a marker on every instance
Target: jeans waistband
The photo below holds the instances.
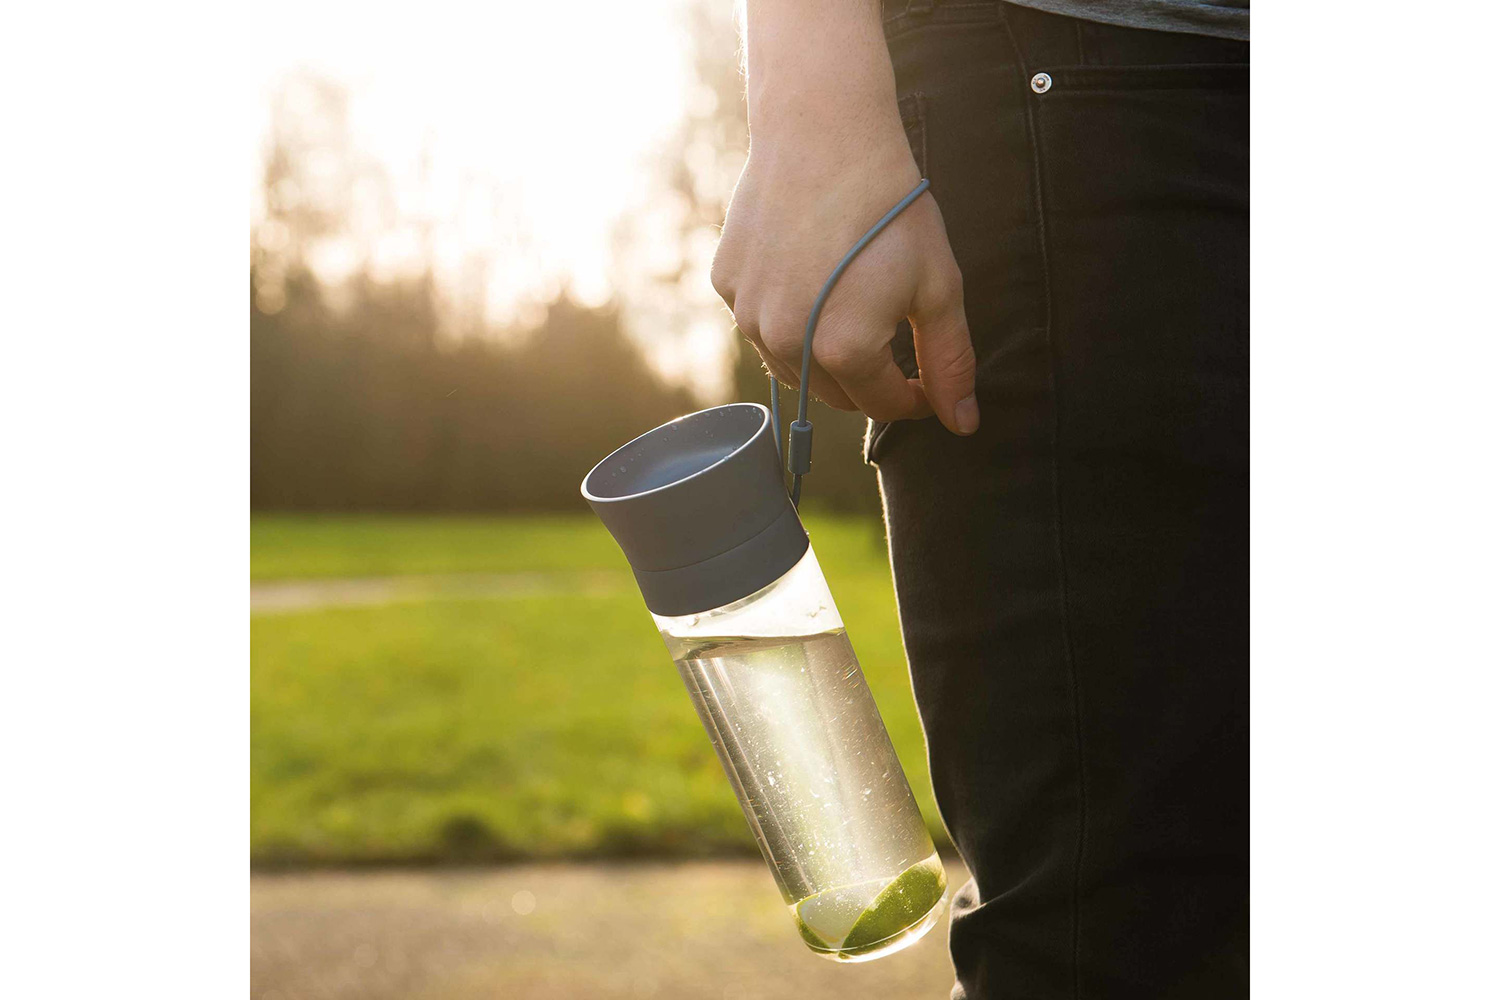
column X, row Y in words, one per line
column 1057, row 39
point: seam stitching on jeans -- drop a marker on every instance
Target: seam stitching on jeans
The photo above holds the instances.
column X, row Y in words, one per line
column 1062, row 568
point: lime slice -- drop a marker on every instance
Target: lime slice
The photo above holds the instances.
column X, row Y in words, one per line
column 902, row 903
column 809, row 935
column 824, row 919
column 856, row 919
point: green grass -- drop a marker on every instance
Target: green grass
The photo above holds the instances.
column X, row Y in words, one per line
column 330, row 545
column 545, row 725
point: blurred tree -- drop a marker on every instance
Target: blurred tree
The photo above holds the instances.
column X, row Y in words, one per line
column 359, row 402
column 367, row 409
column 388, row 394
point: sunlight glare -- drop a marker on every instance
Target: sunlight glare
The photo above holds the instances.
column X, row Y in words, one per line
column 515, row 135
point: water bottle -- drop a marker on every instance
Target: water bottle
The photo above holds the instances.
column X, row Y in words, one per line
column 725, row 566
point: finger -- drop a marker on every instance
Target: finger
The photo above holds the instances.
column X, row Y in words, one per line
column 827, row 388
column 721, row 272
column 822, row 386
column 872, row 381
column 785, row 350
column 945, row 354
column 778, row 368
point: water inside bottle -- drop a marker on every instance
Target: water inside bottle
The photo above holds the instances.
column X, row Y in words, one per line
column 801, row 740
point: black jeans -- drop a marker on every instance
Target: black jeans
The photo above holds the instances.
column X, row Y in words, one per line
column 1074, row 579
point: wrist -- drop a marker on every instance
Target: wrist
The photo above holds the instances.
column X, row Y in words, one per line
column 818, row 68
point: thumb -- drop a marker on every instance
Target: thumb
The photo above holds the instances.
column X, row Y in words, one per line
column 945, row 355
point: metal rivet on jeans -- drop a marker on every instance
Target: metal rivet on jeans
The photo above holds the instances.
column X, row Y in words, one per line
column 1041, row 83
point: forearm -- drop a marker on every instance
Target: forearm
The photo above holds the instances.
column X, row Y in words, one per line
column 819, row 65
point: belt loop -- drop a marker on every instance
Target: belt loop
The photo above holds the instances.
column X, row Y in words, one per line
column 919, row 6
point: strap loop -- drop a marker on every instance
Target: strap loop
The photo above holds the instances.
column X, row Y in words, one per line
column 799, row 438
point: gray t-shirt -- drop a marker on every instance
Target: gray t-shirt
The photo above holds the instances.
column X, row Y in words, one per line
column 1215, row 18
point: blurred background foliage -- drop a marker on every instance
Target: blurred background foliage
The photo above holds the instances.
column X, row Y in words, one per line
column 450, row 660
column 393, row 392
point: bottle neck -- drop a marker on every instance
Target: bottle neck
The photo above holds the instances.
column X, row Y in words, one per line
column 796, row 604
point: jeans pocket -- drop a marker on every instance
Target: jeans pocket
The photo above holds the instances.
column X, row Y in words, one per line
column 900, row 17
column 875, row 430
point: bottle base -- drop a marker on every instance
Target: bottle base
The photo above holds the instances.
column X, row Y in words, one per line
column 868, row 920
column 899, row 941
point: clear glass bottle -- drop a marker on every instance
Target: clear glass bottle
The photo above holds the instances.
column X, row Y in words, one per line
column 779, row 690
column 700, row 509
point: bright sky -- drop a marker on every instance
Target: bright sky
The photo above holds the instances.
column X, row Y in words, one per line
column 538, row 119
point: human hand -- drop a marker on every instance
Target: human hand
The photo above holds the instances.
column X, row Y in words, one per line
column 828, row 158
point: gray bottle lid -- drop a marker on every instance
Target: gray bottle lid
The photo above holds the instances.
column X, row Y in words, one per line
column 700, row 509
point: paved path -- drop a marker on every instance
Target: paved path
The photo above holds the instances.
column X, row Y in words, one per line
column 310, row 594
column 649, row 931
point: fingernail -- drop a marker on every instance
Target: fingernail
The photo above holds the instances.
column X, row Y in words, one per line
column 966, row 415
